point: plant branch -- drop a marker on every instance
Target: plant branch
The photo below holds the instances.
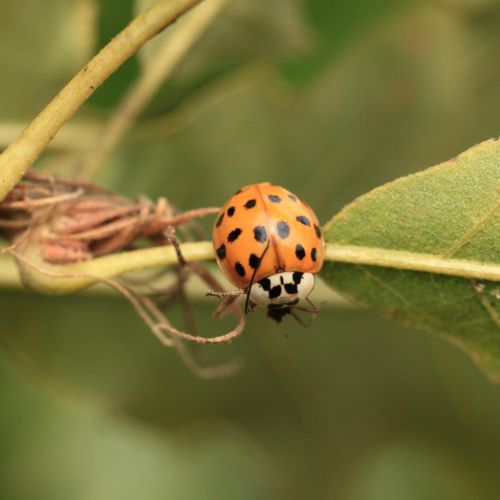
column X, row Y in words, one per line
column 157, row 70
column 73, row 277
column 75, row 136
column 56, row 280
column 22, row 153
column 412, row 261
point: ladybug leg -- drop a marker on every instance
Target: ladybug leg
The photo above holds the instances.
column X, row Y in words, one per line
column 277, row 313
column 299, row 320
column 312, row 305
column 313, row 310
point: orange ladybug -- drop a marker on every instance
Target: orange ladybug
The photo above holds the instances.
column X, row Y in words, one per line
column 269, row 243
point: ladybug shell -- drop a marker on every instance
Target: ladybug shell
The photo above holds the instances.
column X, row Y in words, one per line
column 261, row 216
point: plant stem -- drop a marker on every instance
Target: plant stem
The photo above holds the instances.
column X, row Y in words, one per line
column 55, row 280
column 158, row 69
column 70, row 278
column 412, row 261
column 76, row 136
column 22, row 153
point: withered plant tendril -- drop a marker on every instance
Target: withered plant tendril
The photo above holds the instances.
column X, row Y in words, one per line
column 62, row 222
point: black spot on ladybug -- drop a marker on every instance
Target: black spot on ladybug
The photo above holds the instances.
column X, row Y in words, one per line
column 265, row 283
column 292, row 197
column 221, row 252
column 230, row 211
column 297, row 277
column 239, row 269
column 260, row 233
column 314, row 254
column 303, row 220
column 274, row 198
column 233, row 235
column 250, row 204
column 219, row 220
column 318, row 231
column 254, row 261
column 299, row 251
column 283, row 229
column 291, row 288
column 275, row 292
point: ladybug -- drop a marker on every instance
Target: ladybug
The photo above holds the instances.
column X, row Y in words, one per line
column 268, row 242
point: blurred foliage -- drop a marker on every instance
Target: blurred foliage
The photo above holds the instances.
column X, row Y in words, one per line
column 38, row 57
column 331, row 100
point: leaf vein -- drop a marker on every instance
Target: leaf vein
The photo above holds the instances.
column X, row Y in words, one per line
column 394, row 292
column 469, row 235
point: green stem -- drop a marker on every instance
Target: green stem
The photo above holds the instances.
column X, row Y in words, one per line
column 70, row 278
column 412, row 261
column 22, row 153
column 156, row 71
column 56, row 280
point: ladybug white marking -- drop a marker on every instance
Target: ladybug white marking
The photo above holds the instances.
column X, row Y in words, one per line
column 282, row 288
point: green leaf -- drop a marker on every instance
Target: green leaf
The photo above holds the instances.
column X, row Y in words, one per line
column 451, row 211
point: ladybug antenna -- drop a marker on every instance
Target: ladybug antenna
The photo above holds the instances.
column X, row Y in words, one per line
column 247, row 300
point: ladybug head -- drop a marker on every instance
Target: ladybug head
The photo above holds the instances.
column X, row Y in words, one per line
column 282, row 289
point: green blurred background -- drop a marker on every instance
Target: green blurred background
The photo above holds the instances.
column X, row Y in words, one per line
column 330, row 98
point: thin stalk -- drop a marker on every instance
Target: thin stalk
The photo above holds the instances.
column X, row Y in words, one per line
column 157, row 70
column 413, row 261
column 73, row 277
column 24, row 151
